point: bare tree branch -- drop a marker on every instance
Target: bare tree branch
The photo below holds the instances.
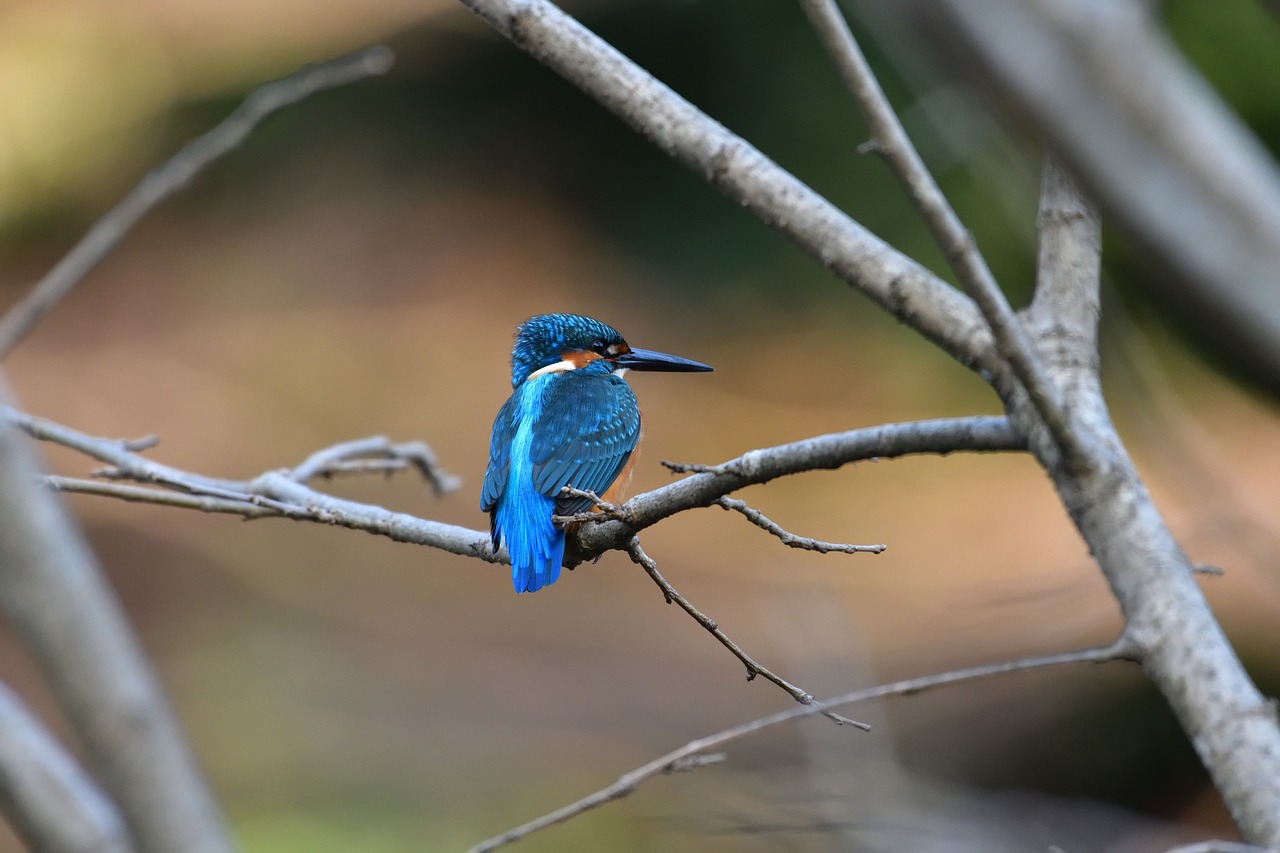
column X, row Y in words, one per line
column 49, row 799
column 141, row 494
column 1151, row 140
column 602, row 510
column 679, row 759
column 741, row 172
column 981, row 434
column 378, row 453
column 672, row 595
column 277, row 494
column 1064, row 311
column 957, row 243
column 175, row 174
column 52, row 591
column 791, row 540
column 1233, row 728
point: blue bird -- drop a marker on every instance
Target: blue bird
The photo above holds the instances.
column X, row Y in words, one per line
column 571, row 421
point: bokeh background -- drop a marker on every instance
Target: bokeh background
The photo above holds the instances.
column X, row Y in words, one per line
column 358, row 267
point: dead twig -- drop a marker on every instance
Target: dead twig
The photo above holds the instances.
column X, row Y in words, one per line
column 759, row 519
column 754, row 668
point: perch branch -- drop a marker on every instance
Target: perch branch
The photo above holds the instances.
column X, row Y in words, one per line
column 823, row 452
column 759, row 519
column 672, row 595
column 679, row 759
column 276, row 494
column 175, row 174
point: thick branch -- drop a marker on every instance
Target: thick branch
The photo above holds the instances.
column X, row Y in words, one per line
column 175, row 174
column 741, row 172
column 686, row 757
column 1065, row 309
column 49, row 800
column 52, row 590
column 1182, row 647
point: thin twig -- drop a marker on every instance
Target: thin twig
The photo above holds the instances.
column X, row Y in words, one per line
column 242, row 506
column 176, row 173
column 387, row 457
column 759, row 519
column 754, row 668
column 1122, row 649
column 602, row 510
column 957, row 243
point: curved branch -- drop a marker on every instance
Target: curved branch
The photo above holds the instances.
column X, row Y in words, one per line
column 1184, row 651
column 688, row 756
column 52, row 590
column 49, row 799
column 1151, row 140
column 172, row 176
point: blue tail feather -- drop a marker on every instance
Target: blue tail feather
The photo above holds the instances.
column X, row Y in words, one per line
column 535, row 544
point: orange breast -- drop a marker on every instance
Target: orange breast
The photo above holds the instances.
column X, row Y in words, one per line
column 616, row 493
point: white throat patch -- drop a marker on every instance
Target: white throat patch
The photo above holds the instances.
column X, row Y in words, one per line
column 558, row 367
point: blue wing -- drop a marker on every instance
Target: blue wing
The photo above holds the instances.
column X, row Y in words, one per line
column 585, row 432
column 495, row 476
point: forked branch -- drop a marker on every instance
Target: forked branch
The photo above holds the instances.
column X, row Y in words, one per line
column 892, row 142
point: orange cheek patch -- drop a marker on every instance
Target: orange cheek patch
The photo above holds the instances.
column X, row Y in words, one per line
column 581, row 358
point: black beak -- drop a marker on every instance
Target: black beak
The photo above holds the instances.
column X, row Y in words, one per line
column 643, row 359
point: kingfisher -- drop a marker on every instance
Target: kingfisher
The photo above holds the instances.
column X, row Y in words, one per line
column 571, row 420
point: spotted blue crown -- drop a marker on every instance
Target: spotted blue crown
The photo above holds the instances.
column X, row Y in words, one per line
column 542, row 340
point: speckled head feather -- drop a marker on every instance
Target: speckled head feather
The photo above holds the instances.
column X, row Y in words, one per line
column 543, row 340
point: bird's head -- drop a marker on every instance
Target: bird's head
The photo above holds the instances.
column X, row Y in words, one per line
column 550, row 343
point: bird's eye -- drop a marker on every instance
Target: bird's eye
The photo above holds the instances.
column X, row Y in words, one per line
column 600, row 347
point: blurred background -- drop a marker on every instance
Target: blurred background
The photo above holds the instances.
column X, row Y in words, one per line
column 358, row 267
